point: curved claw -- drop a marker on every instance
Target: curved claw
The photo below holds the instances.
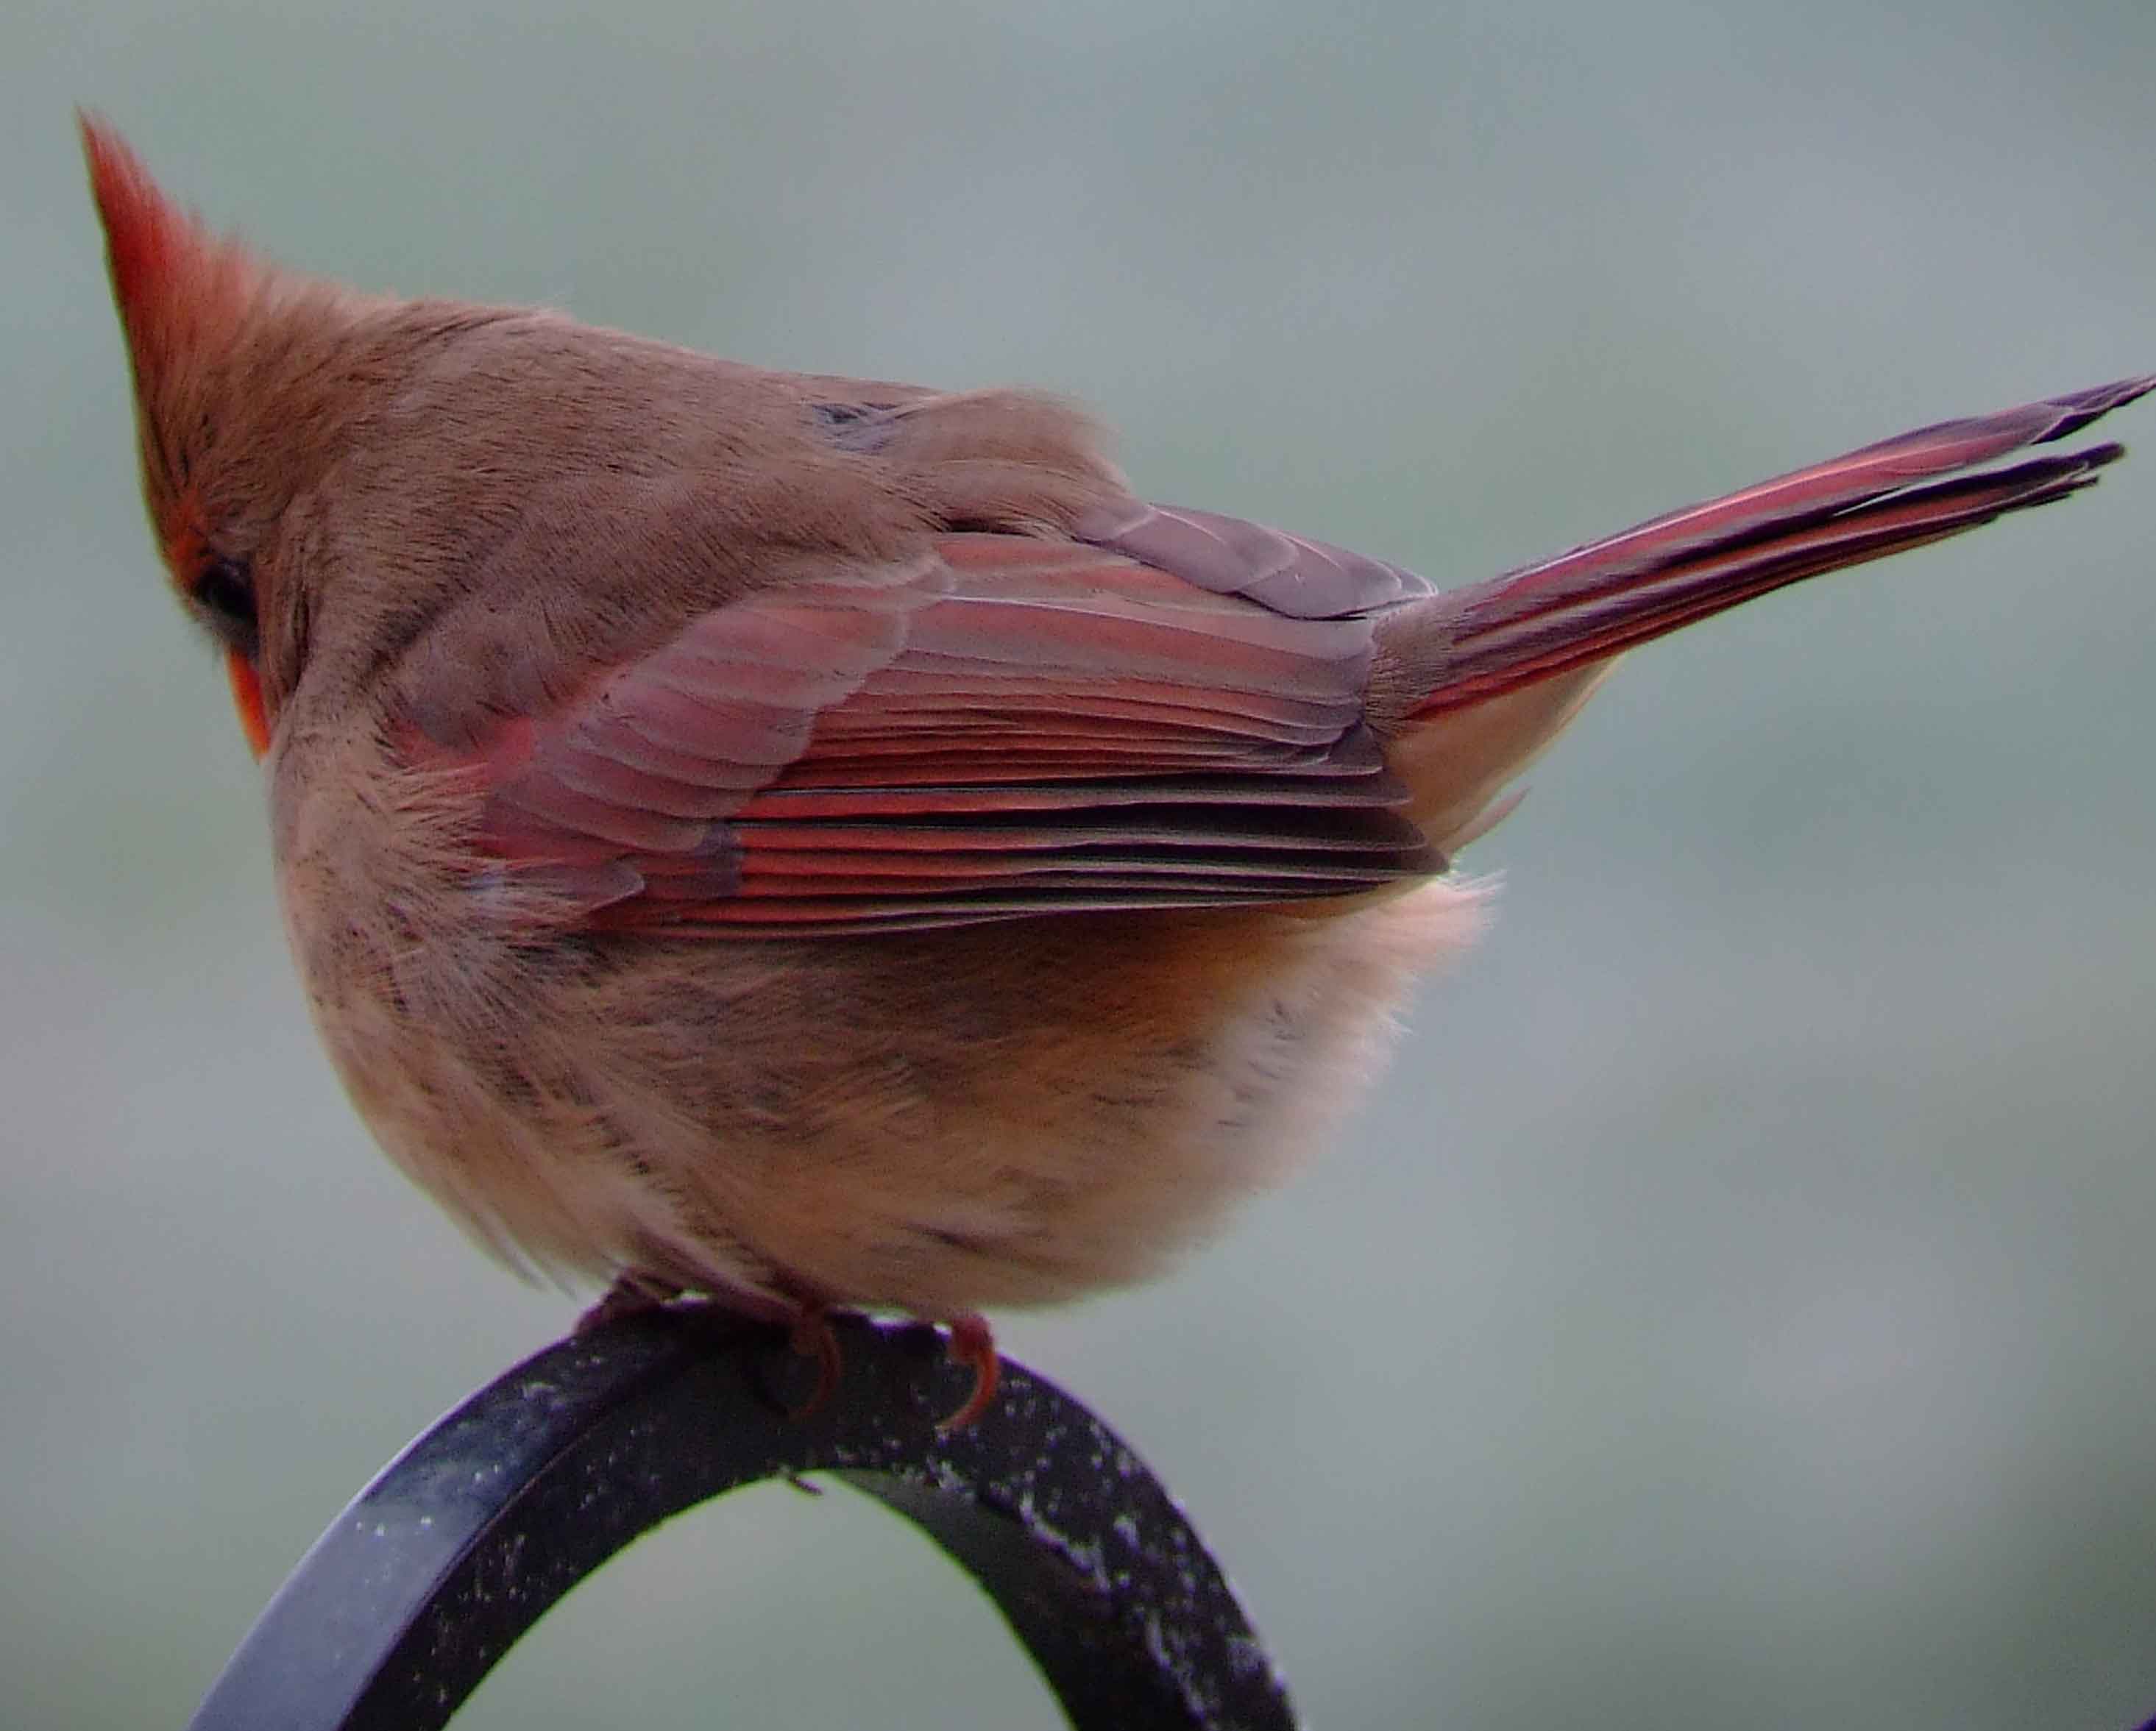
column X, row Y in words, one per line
column 973, row 1344
column 631, row 1294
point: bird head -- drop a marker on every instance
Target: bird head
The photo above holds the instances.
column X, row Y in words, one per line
column 243, row 375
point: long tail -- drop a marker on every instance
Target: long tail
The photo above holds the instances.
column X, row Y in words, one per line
column 1491, row 673
column 1596, row 600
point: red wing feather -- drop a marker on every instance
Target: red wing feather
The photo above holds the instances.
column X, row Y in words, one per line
column 1010, row 726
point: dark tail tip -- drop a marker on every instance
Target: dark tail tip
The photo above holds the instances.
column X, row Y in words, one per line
column 2080, row 407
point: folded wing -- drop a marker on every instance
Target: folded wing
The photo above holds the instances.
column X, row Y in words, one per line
column 1007, row 727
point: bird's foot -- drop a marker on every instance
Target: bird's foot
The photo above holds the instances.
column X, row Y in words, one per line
column 807, row 1322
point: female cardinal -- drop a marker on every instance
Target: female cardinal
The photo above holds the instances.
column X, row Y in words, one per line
column 825, row 843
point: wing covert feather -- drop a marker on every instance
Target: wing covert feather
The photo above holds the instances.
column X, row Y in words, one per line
column 1005, row 728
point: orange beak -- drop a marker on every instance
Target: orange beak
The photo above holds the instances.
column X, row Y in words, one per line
column 247, row 699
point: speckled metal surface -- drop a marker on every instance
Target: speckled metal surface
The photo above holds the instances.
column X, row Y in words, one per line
column 467, row 1537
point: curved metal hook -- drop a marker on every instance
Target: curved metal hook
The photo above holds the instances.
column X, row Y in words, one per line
column 465, row 1539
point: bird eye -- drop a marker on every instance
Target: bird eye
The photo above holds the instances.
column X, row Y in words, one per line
column 225, row 590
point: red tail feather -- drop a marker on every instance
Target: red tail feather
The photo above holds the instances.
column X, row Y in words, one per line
column 1585, row 606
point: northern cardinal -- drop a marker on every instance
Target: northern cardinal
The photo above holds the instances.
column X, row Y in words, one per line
column 821, row 843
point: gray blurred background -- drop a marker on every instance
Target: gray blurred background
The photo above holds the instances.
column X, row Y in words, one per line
column 1736, row 1308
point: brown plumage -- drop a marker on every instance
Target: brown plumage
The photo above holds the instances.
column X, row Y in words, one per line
column 823, row 843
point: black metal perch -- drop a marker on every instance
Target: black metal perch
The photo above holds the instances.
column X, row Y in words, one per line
column 466, row 1539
